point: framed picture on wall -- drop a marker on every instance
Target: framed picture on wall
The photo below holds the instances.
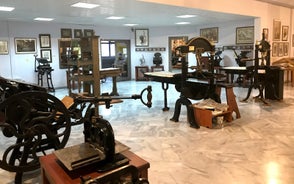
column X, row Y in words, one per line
column 276, row 30
column 210, row 34
column 3, row 47
column 280, row 49
column 46, row 53
column 66, row 33
column 45, row 40
column 285, row 33
column 88, row 32
column 78, row 33
column 245, row 35
column 25, row 45
column 275, row 49
column 286, row 48
column 142, row 37
column 173, row 43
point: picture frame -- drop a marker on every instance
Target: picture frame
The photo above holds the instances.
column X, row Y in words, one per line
column 142, row 37
column 280, row 49
column 4, row 47
column 245, row 35
column 286, row 48
column 173, row 43
column 275, row 49
column 285, row 33
column 45, row 40
column 88, row 32
column 78, row 33
column 276, row 30
column 25, row 45
column 210, row 34
column 46, row 53
column 265, row 32
column 66, row 33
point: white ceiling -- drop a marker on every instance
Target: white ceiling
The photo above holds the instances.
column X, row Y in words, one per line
column 138, row 12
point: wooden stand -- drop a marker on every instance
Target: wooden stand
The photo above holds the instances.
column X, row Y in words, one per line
column 54, row 173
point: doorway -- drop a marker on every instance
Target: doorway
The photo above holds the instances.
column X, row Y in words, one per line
column 116, row 54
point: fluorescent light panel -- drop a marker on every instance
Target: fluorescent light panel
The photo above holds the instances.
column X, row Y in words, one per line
column 183, row 23
column 115, row 18
column 130, row 25
column 6, row 8
column 43, row 19
column 186, row 16
column 85, row 5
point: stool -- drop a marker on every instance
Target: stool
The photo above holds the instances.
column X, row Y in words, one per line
column 231, row 99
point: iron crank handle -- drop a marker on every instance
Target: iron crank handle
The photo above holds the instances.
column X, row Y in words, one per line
column 149, row 96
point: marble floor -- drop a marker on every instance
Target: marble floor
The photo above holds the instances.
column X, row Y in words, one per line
column 258, row 148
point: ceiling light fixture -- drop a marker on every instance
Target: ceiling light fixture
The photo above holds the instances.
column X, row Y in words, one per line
column 183, row 23
column 85, row 5
column 6, row 8
column 130, row 25
column 115, row 18
column 43, row 19
column 186, row 16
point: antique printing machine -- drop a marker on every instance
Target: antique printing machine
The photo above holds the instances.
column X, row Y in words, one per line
column 196, row 85
column 35, row 123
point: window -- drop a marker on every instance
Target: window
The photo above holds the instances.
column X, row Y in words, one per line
column 107, row 48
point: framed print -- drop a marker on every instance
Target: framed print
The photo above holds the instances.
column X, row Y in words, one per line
column 66, row 33
column 46, row 53
column 285, row 33
column 88, row 32
column 210, row 34
column 275, row 49
column 245, row 35
column 286, row 48
column 45, row 40
column 78, row 33
column 173, row 43
column 276, row 30
column 265, row 33
column 280, row 49
column 3, row 47
column 142, row 37
column 25, row 45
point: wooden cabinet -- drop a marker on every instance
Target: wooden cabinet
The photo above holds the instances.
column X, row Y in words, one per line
column 140, row 70
column 83, row 66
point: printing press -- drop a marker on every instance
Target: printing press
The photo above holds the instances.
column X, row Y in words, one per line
column 35, row 123
column 192, row 85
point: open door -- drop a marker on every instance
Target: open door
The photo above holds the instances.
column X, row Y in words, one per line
column 116, row 54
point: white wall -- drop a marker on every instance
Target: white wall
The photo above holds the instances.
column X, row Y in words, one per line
column 21, row 66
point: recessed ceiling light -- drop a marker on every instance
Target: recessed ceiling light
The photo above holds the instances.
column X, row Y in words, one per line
column 183, row 23
column 115, row 18
column 130, row 25
column 6, row 8
column 186, row 16
column 85, row 5
column 43, row 19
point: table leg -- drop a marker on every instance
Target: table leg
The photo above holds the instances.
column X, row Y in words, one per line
column 114, row 88
column 165, row 88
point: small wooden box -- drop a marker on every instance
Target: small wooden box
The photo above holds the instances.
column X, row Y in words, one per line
column 204, row 117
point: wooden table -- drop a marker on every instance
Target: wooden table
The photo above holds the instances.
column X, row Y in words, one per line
column 54, row 173
column 111, row 72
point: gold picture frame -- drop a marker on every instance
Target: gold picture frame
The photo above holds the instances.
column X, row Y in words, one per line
column 210, row 34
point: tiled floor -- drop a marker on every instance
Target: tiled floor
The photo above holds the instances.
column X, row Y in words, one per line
column 255, row 149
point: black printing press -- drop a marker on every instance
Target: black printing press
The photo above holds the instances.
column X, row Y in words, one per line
column 35, row 123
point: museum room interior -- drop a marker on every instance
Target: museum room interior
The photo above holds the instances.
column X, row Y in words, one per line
column 147, row 91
